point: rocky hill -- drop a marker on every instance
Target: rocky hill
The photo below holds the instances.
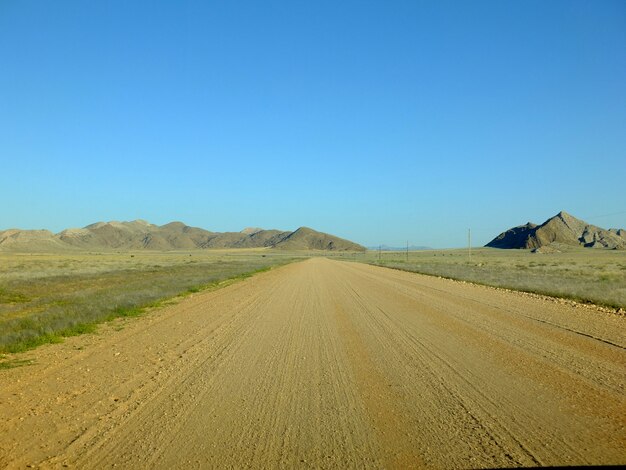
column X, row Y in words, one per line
column 561, row 229
column 308, row 239
column 29, row 240
column 140, row 235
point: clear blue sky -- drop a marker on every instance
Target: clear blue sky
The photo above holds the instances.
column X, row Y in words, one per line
column 379, row 121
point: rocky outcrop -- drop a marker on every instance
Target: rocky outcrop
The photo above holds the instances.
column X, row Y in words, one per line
column 564, row 229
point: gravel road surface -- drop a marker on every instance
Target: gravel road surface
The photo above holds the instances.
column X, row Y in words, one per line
column 328, row 364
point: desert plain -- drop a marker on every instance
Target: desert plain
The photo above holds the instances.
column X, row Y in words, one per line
column 320, row 360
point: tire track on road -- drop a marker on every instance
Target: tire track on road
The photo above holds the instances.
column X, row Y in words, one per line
column 329, row 365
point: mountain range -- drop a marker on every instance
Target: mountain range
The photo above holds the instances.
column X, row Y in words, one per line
column 142, row 235
column 563, row 229
column 398, row 248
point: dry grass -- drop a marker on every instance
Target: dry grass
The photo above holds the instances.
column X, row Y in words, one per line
column 44, row 297
column 582, row 274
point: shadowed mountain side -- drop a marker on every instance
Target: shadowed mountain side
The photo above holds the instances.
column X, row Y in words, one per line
column 263, row 238
column 561, row 229
column 514, row 237
column 139, row 234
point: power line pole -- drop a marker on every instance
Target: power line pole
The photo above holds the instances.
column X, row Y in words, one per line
column 407, row 251
column 380, row 249
column 469, row 243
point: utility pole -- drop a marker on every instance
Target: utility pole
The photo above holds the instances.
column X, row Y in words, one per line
column 380, row 248
column 469, row 243
column 407, row 251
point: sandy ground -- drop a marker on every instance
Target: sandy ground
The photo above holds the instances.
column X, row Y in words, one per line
column 328, row 364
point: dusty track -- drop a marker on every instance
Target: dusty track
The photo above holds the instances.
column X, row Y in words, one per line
column 328, row 364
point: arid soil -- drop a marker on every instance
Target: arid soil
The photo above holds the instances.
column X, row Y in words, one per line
column 328, row 364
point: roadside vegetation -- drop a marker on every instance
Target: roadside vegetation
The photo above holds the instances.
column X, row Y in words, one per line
column 581, row 274
column 44, row 297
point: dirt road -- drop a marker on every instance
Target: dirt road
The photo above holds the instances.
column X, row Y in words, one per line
column 328, row 364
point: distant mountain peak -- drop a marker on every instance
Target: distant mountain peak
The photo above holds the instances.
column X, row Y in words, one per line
column 563, row 228
column 174, row 224
column 304, row 230
column 305, row 238
column 251, row 230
